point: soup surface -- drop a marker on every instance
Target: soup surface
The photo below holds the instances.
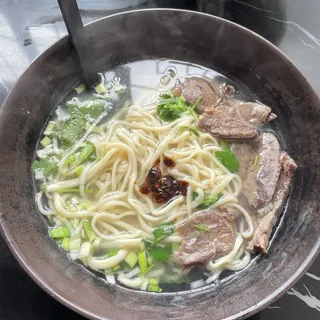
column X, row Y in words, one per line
column 165, row 177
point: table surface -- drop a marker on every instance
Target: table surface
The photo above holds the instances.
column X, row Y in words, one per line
column 28, row 27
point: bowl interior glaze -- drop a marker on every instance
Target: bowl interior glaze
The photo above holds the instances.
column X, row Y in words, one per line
column 188, row 36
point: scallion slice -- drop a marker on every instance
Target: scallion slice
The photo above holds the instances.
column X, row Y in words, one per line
column 49, row 128
column 85, row 250
column 142, row 257
column 61, row 232
column 75, row 243
column 65, row 244
column 131, row 259
column 89, row 232
column 45, row 141
column 80, row 88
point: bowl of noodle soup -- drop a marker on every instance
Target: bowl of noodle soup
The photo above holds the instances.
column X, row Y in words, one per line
column 125, row 202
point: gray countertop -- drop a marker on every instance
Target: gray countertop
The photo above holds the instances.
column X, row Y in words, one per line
column 28, row 27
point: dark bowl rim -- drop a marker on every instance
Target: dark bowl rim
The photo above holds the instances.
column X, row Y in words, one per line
column 36, row 276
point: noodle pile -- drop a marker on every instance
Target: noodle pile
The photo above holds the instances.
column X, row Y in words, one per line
column 119, row 214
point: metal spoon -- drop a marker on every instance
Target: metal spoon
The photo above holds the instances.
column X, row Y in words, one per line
column 79, row 38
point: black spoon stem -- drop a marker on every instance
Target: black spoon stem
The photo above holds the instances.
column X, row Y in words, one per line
column 79, row 38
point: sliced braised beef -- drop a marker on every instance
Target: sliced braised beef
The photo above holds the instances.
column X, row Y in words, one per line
column 236, row 121
column 254, row 113
column 205, row 235
column 262, row 177
column 212, row 93
column 222, row 122
column 268, row 216
column 259, row 169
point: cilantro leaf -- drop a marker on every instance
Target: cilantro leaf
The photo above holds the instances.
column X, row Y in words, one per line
column 228, row 159
column 165, row 95
column 86, row 153
column 193, row 129
column 48, row 165
column 72, row 131
column 170, row 109
column 162, row 232
column 158, row 252
column 207, row 202
column 93, row 108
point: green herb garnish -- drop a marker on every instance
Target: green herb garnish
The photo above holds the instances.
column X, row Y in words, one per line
column 86, row 153
column 207, row 202
column 158, row 252
column 171, row 109
column 48, row 165
column 112, row 253
column 162, row 232
column 200, row 227
column 228, row 159
column 72, row 130
column 192, row 109
column 192, row 129
column 256, row 160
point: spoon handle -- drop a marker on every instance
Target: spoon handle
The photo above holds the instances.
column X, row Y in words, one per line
column 79, row 38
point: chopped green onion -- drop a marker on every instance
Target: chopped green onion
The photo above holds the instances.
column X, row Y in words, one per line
column 100, row 88
column 194, row 131
column 112, row 253
column 45, row 141
column 183, row 128
column 116, row 268
column 153, row 288
column 153, row 281
column 80, row 88
column 69, row 190
column 49, row 128
column 207, row 202
column 85, row 250
column 89, row 232
column 65, row 244
column 142, row 257
column 75, row 243
column 256, row 160
column 75, row 223
column 59, row 232
column 96, row 242
column 150, row 261
column 79, row 170
column 196, row 103
column 192, row 109
column 148, row 269
column 200, row 227
column 142, row 246
column 131, row 259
